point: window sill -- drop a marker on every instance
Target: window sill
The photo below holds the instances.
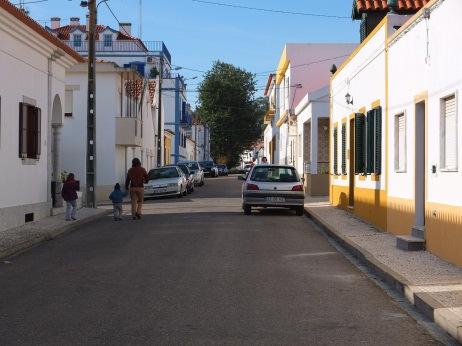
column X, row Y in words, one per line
column 29, row 162
column 445, row 170
column 400, row 171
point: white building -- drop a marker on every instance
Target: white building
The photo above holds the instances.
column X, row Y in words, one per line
column 32, row 94
column 200, row 134
column 396, row 158
column 120, row 47
column 298, row 108
column 126, row 124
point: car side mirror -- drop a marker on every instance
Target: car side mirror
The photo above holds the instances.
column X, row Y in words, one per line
column 240, row 177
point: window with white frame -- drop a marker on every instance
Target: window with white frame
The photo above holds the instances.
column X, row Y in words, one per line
column 77, row 40
column 448, row 128
column 107, row 40
column 400, row 142
column 69, row 106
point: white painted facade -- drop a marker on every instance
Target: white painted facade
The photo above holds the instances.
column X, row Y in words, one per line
column 32, row 70
column 117, row 142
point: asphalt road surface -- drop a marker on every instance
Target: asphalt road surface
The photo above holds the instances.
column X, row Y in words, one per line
column 196, row 271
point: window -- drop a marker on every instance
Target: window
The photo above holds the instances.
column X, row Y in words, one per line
column 77, row 40
column 69, row 98
column 335, row 151
column 359, row 143
column 368, row 142
column 274, row 175
column 29, row 131
column 344, row 172
column 449, row 134
column 107, row 40
column 400, row 142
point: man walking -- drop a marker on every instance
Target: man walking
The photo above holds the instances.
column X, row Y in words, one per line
column 136, row 178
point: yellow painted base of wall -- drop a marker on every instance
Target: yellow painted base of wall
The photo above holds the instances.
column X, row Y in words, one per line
column 400, row 215
column 369, row 204
column 443, row 231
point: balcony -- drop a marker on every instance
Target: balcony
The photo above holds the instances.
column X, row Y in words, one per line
column 128, row 132
column 122, row 46
column 269, row 116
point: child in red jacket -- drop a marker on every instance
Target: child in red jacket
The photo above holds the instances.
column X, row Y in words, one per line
column 69, row 193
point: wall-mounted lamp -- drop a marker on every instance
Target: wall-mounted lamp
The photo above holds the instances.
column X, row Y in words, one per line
column 349, row 99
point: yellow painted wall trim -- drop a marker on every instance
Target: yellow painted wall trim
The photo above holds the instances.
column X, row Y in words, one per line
column 282, row 119
column 282, row 66
column 362, row 110
column 344, row 177
column 361, row 46
column 423, row 96
column 375, row 177
column 375, row 104
column 411, row 20
column 362, row 178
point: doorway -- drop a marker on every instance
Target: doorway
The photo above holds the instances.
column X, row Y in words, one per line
column 351, row 172
column 419, row 174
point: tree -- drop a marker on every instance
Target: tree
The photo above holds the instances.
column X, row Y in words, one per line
column 228, row 105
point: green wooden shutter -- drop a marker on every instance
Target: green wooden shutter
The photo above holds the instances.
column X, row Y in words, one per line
column 344, row 149
column 369, row 140
column 378, row 141
column 335, row 151
column 359, row 143
column 22, row 130
column 38, row 133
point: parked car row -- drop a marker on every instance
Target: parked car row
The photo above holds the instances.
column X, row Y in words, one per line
column 180, row 179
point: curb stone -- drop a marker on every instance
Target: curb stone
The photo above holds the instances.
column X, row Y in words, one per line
column 43, row 236
column 449, row 319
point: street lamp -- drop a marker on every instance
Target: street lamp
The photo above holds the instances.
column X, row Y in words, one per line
column 348, row 99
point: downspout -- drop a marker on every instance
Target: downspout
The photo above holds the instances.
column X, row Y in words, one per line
column 49, row 130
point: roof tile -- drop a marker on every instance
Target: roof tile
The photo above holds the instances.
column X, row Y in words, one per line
column 381, row 5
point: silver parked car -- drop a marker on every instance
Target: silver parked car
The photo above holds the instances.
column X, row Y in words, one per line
column 273, row 186
column 166, row 181
column 197, row 170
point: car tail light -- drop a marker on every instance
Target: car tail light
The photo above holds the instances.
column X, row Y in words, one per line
column 252, row 187
column 297, row 188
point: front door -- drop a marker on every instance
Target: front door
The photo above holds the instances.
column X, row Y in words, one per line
column 351, row 173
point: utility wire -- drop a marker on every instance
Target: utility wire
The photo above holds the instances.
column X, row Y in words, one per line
column 271, row 10
column 29, row 2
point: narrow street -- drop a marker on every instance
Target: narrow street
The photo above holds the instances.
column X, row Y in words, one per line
column 196, row 271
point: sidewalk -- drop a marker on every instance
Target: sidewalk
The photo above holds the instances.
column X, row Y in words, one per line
column 431, row 284
column 19, row 239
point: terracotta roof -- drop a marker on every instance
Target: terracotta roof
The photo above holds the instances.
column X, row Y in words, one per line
column 63, row 32
column 403, row 6
column 32, row 24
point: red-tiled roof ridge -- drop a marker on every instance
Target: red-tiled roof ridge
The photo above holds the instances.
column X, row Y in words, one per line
column 32, row 24
column 403, row 6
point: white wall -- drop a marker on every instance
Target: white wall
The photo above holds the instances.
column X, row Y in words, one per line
column 363, row 77
column 439, row 74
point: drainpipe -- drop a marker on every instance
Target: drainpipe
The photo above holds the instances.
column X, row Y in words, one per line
column 49, row 129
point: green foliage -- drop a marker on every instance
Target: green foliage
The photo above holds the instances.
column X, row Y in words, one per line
column 154, row 73
column 228, row 105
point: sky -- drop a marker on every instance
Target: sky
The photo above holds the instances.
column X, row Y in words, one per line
column 197, row 34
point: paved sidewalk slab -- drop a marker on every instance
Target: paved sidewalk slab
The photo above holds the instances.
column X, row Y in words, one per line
column 431, row 284
column 18, row 239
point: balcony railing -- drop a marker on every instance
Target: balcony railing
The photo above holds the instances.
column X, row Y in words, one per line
column 122, row 46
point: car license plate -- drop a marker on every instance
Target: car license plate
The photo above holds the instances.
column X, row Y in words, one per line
column 160, row 191
column 275, row 199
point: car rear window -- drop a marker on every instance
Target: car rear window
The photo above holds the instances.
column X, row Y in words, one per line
column 274, row 174
column 163, row 173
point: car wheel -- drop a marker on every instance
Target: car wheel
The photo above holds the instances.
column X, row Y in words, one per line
column 247, row 209
column 299, row 211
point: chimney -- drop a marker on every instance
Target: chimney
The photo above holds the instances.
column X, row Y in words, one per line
column 125, row 28
column 75, row 21
column 55, row 22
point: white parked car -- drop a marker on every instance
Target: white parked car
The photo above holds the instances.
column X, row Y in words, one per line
column 197, row 170
column 166, row 181
column 276, row 186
